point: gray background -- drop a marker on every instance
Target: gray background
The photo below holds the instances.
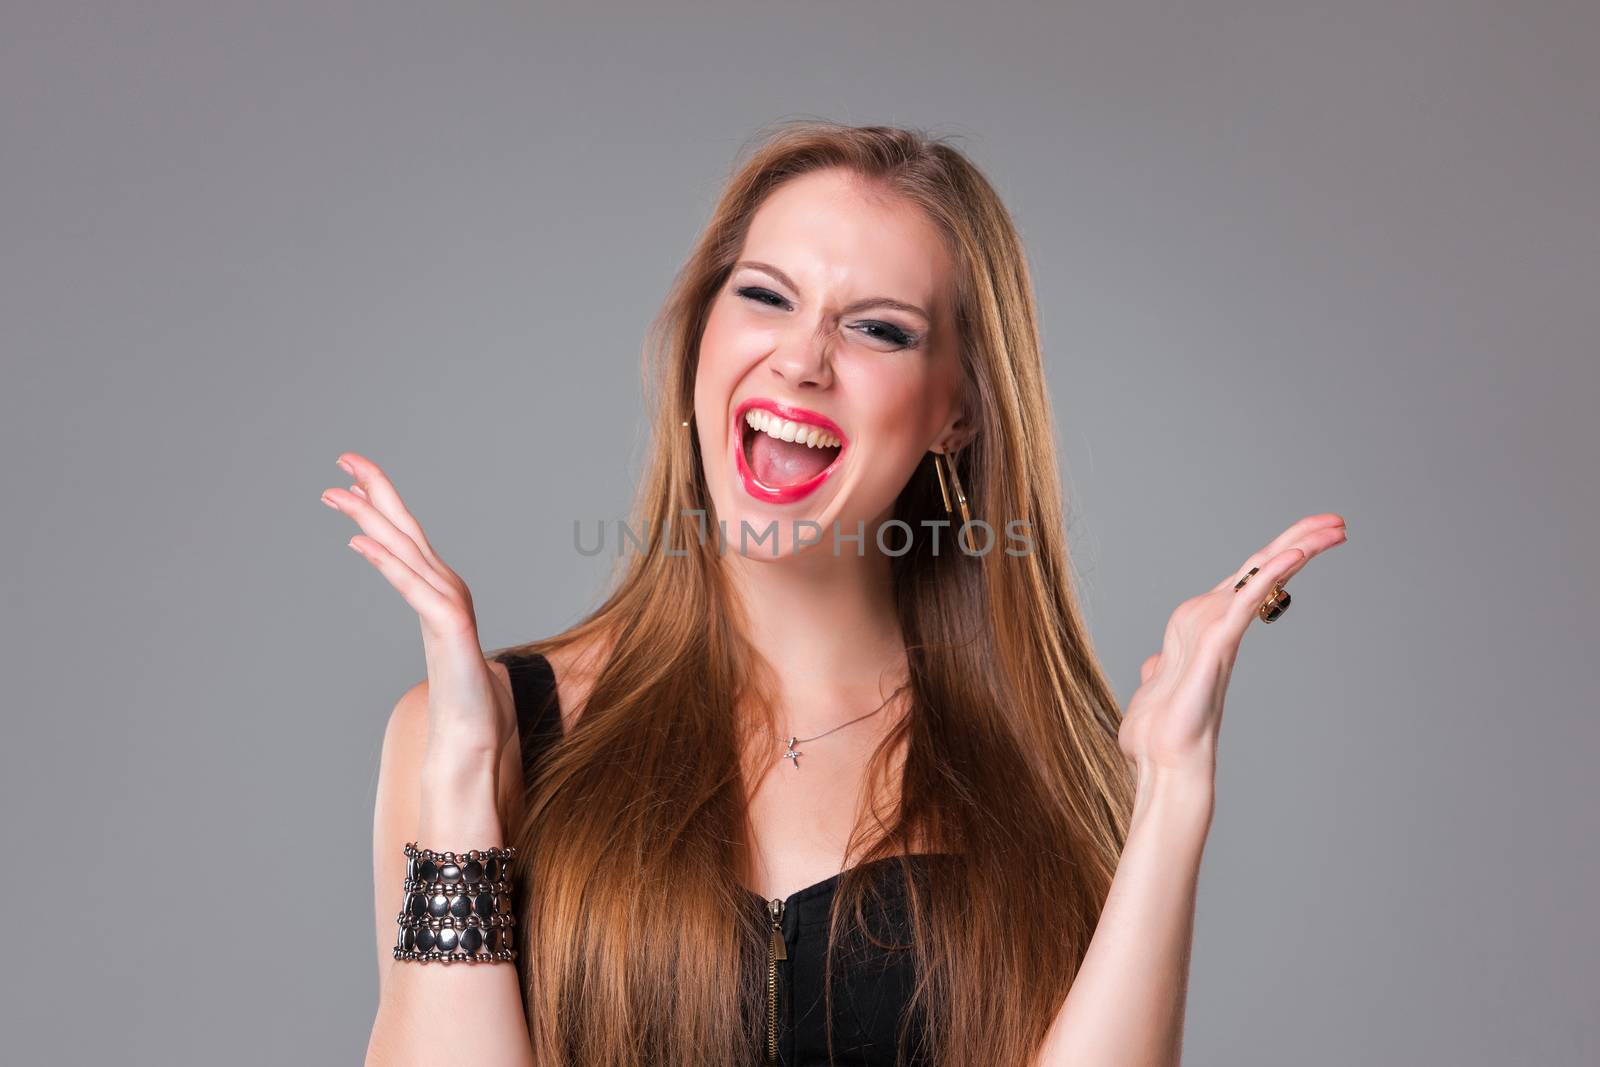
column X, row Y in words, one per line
column 1290, row 258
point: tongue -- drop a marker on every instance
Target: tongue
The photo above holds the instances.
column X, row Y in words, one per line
column 782, row 463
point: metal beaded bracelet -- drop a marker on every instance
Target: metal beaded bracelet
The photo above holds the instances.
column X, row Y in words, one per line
column 457, row 907
column 478, row 865
column 450, row 940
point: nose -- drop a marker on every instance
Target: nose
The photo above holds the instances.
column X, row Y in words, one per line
column 803, row 362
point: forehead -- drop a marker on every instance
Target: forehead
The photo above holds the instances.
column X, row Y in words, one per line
column 837, row 239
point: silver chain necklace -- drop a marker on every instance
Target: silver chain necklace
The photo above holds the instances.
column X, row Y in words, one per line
column 792, row 754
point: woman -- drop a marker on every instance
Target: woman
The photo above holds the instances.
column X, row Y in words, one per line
column 818, row 778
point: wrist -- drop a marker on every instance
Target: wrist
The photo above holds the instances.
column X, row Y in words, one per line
column 1183, row 797
column 459, row 808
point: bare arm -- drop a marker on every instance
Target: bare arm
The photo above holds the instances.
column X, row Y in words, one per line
column 445, row 752
column 432, row 1013
column 1126, row 1005
column 1125, row 1008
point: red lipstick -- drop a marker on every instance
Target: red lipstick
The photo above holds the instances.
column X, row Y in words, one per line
column 786, row 494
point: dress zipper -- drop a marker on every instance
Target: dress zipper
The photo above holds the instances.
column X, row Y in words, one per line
column 776, row 950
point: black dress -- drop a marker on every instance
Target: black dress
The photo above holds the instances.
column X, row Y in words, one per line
column 872, row 986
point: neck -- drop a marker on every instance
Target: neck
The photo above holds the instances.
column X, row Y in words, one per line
column 827, row 625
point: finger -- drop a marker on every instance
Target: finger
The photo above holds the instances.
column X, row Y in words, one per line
column 430, row 604
column 1313, row 535
column 1314, row 544
column 1258, row 588
column 377, row 526
column 381, row 493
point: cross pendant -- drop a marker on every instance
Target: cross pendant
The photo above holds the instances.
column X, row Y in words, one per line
column 791, row 755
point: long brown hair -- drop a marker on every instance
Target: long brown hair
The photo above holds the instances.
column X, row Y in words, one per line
column 637, row 939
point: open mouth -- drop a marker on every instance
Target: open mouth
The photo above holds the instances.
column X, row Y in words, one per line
column 785, row 453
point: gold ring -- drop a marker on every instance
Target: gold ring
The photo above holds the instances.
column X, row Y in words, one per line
column 1276, row 604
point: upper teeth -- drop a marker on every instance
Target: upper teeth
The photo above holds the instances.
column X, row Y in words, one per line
column 786, row 430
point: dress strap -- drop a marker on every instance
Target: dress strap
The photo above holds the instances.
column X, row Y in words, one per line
column 538, row 704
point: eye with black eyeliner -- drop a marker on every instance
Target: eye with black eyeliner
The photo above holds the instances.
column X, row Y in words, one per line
column 747, row 291
column 894, row 335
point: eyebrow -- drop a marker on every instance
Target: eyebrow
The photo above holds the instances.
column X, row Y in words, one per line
column 859, row 305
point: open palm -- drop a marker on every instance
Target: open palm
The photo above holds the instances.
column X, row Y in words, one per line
column 1172, row 720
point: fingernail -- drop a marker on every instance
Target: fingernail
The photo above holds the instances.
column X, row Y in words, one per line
column 328, row 501
column 344, row 465
column 353, row 546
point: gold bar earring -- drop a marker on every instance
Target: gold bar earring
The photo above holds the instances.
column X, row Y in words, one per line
column 961, row 496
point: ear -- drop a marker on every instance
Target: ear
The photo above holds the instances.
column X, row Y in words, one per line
column 955, row 434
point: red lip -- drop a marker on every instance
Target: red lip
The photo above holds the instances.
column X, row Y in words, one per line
column 787, row 494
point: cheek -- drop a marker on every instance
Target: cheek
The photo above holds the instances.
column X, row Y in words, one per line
column 902, row 408
column 728, row 348
column 710, row 374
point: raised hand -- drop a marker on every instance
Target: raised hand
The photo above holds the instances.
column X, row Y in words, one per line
column 1171, row 722
column 470, row 716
